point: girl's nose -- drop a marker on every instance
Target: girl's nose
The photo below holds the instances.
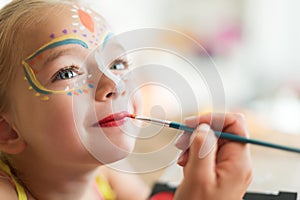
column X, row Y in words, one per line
column 106, row 89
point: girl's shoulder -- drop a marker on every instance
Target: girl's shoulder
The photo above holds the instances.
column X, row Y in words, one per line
column 9, row 187
column 124, row 185
column 104, row 185
column 7, row 191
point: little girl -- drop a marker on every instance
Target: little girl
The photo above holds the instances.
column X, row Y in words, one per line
column 58, row 127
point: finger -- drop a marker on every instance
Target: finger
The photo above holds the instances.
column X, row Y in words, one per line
column 210, row 142
column 183, row 158
column 233, row 123
column 229, row 122
column 202, row 166
column 184, row 141
column 234, row 163
column 192, row 121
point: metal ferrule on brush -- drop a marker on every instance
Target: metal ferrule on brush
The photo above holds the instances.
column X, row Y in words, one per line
column 154, row 120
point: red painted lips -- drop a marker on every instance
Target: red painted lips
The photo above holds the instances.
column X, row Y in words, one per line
column 116, row 119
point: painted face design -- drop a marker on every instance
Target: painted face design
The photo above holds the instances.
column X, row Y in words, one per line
column 64, row 65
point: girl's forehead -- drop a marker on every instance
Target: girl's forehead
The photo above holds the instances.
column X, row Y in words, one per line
column 69, row 21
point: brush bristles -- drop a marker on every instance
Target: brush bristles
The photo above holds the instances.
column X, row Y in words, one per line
column 153, row 120
column 132, row 116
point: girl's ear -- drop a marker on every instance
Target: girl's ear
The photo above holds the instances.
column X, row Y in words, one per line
column 10, row 140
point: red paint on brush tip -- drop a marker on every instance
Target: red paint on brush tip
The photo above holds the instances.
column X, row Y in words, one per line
column 131, row 115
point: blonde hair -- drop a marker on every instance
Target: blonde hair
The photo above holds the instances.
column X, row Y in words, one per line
column 15, row 17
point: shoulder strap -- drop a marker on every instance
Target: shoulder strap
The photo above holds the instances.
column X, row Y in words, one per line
column 20, row 190
column 105, row 189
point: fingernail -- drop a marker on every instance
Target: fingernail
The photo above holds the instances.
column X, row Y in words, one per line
column 180, row 159
column 203, row 128
column 183, row 141
column 190, row 118
column 192, row 121
column 209, row 145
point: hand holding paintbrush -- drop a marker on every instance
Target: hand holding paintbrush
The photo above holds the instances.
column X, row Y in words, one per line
column 214, row 169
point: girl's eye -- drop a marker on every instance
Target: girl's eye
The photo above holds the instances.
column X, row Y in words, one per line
column 66, row 73
column 119, row 65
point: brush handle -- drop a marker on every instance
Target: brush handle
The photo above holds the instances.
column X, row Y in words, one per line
column 237, row 138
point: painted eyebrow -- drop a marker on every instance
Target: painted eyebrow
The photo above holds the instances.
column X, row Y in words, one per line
column 58, row 42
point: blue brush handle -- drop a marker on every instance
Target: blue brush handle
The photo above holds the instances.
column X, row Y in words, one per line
column 237, row 138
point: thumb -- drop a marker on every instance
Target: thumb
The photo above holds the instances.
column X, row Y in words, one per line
column 202, row 153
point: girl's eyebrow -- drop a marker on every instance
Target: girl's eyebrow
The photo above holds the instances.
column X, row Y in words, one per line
column 57, row 54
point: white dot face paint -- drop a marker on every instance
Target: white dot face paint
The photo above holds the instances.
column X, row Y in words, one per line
column 117, row 79
column 110, row 58
column 100, row 115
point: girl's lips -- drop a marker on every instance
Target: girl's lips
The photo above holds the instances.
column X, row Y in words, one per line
column 116, row 119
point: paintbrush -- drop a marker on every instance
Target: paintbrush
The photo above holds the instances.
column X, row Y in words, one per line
column 228, row 136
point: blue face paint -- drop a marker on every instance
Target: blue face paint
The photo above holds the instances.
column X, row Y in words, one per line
column 106, row 38
column 29, row 72
column 59, row 42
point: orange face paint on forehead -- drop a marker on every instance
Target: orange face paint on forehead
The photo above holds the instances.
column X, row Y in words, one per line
column 80, row 21
column 85, row 23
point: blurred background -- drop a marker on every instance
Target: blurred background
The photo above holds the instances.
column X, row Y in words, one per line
column 254, row 45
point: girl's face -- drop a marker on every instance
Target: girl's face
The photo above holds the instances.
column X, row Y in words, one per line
column 68, row 94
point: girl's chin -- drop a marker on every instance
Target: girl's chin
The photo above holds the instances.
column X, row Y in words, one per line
column 115, row 143
column 115, row 151
column 125, row 149
column 113, row 157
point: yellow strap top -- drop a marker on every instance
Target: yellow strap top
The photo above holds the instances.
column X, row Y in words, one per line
column 105, row 189
column 103, row 186
column 20, row 190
